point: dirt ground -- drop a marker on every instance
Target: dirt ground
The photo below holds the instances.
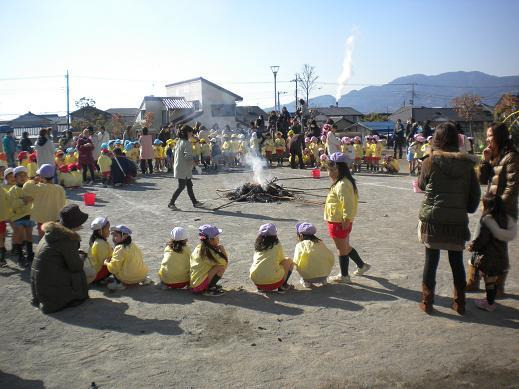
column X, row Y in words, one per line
column 368, row 334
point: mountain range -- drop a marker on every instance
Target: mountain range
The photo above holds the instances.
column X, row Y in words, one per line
column 429, row 91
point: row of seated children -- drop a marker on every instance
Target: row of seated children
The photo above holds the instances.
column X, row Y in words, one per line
column 201, row 269
column 25, row 203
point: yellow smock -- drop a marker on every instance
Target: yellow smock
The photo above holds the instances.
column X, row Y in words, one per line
column 200, row 266
column 18, row 208
column 313, row 259
column 266, row 266
column 49, row 199
column 127, row 264
column 98, row 252
column 174, row 268
column 341, row 202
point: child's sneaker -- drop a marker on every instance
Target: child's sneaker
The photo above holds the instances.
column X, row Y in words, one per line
column 305, row 284
column 484, row 305
column 286, row 287
column 146, row 281
column 214, row 292
column 324, row 282
column 361, row 270
column 116, row 286
column 339, row 279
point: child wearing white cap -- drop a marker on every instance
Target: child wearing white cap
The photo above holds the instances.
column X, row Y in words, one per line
column 48, row 198
column 127, row 264
column 208, row 262
column 21, row 208
column 270, row 268
column 313, row 260
column 99, row 249
column 174, row 269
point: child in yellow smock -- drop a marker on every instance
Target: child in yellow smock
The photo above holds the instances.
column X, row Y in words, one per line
column 32, row 166
column 270, row 268
column 313, row 260
column 281, row 147
column 174, row 269
column 100, row 250
column 105, row 166
column 208, row 262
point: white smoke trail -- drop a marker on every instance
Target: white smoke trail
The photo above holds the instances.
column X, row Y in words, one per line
column 258, row 166
column 347, row 66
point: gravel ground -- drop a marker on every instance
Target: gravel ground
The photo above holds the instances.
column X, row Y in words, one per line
column 367, row 334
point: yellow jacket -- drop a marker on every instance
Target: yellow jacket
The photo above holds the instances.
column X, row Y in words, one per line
column 376, row 149
column 341, row 202
column 18, row 208
column 280, row 144
column 368, row 151
column 175, row 266
column 395, row 164
column 105, row 163
column 313, row 259
column 205, row 149
column 77, row 178
column 226, row 146
column 4, row 204
column 196, row 149
column 48, row 200
column 268, row 145
column 235, row 146
column 158, row 152
column 98, row 252
column 31, row 169
column 266, row 266
column 127, row 264
column 70, row 158
column 200, row 266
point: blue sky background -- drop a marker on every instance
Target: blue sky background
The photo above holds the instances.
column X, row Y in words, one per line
column 119, row 51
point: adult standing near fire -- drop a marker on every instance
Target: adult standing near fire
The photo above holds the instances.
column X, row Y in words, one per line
column 500, row 172
column 183, row 167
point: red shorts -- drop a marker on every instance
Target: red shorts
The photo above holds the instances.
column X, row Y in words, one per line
column 336, row 231
column 3, row 228
column 280, row 152
column 368, row 159
column 271, row 287
column 106, row 174
column 357, row 159
column 376, row 159
column 268, row 154
column 178, row 285
column 202, row 287
column 102, row 274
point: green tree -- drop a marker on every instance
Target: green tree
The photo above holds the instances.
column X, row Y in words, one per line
column 85, row 102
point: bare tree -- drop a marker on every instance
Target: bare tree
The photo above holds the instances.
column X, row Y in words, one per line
column 85, row 102
column 467, row 106
column 307, row 80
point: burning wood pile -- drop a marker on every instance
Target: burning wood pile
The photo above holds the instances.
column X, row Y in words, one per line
column 254, row 193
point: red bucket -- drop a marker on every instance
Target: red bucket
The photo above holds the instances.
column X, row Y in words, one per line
column 89, row 198
column 316, row 173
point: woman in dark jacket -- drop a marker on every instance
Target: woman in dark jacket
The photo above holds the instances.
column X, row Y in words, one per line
column 123, row 171
column 57, row 276
column 451, row 191
column 85, row 148
column 25, row 142
column 500, row 173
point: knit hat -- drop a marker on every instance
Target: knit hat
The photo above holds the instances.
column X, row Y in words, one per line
column 268, row 229
column 179, row 233
column 98, row 223
column 71, row 216
column 46, row 171
column 19, row 169
column 122, row 229
column 306, row 228
column 208, row 231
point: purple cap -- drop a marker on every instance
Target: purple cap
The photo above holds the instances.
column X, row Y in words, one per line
column 46, row 171
column 268, row 229
column 306, row 228
column 338, row 158
column 209, row 231
column 122, row 229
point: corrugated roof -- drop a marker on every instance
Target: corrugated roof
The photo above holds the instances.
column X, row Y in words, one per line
column 176, row 103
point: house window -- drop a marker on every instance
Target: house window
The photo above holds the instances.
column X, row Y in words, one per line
column 165, row 117
column 220, row 110
column 143, row 114
column 196, row 105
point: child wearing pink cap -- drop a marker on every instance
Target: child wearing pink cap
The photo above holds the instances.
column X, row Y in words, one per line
column 270, row 268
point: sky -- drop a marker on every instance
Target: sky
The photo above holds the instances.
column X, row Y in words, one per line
column 119, row 51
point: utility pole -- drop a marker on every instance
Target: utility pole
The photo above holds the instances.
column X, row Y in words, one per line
column 68, row 101
column 412, row 95
column 295, row 80
column 275, row 70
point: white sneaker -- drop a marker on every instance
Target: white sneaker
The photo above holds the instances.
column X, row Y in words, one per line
column 305, row 284
column 339, row 279
column 361, row 270
column 116, row 286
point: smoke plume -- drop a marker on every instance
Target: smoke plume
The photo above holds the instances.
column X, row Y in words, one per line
column 258, row 166
column 347, row 66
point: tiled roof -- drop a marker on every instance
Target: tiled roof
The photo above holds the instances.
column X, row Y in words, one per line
column 124, row 111
column 337, row 111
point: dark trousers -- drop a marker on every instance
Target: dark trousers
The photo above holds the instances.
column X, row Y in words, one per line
column 293, row 155
column 91, row 168
column 182, row 183
column 432, row 257
column 149, row 167
column 398, row 145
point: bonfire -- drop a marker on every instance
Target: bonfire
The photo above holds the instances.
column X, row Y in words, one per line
column 256, row 193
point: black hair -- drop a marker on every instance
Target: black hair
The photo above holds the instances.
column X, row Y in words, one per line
column 184, row 131
column 96, row 234
column 264, row 243
column 313, row 238
column 145, row 131
column 344, row 172
column 177, row 245
column 207, row 251
column 118, row 152
column 126, row 241
column 502, row 139
column 445, row 137
column 493, row 205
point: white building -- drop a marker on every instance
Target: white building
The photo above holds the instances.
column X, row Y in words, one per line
column 214, row 104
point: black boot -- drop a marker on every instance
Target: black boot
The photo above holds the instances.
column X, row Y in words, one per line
column 22, row 261
column 30, row 252
column 2, row 257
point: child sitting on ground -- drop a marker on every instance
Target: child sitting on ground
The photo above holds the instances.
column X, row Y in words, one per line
column 270, row 268
column 390, row 164
column 48, row 198
column 490, row 253
column 313, row 260
column 208, row 262
column 174, row 269
column 100, row 251
column 126, row 264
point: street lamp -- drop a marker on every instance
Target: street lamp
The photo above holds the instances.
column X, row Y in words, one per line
column 275, row 72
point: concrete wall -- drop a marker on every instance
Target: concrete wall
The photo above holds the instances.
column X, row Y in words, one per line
column 191, row 91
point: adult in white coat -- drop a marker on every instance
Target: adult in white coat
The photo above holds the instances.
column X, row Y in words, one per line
column 45, row 148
